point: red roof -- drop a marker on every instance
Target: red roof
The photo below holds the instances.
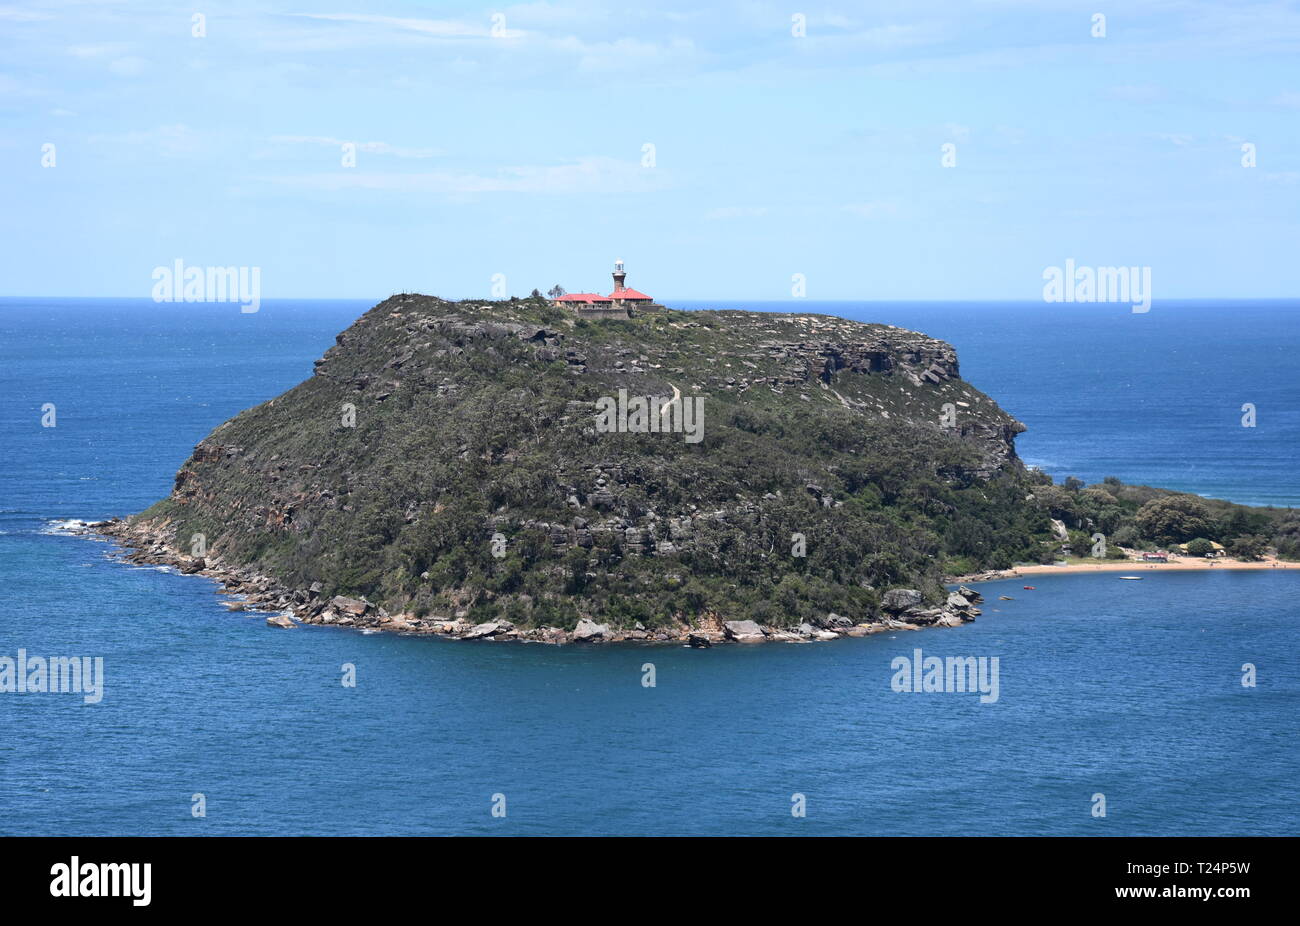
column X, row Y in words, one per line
column 583, row 297
column 628, row 294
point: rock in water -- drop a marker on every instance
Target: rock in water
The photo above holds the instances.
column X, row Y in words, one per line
column 588, row 631
column 744, row 631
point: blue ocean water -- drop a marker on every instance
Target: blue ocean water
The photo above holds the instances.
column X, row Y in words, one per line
column 1127, row 689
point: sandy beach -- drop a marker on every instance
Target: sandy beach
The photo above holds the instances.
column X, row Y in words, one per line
column 1128, row 567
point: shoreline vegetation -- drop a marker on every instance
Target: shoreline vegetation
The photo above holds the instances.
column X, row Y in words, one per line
column 902, row 609
column 248, row 591
column 444, row 470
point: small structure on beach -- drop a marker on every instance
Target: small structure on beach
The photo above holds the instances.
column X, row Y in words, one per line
column 1158, row 557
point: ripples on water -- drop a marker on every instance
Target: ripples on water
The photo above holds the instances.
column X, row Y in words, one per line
column 1128, row 689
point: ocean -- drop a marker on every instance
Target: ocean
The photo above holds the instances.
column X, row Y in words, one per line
column 1123, row 689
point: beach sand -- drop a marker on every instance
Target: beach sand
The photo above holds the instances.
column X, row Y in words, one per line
column 1130, row 567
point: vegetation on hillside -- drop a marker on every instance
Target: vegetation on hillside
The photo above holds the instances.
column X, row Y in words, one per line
column 469, row 476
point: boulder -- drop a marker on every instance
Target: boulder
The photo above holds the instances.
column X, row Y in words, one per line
column 970, row 594
column 699, row 640
column 354, row 606
column 588, row 631
column 279, row 620
column 398, row 622
column 958, row 602
column 900, row 599
column 743, row 631
column 923, row 617
column 486, row 629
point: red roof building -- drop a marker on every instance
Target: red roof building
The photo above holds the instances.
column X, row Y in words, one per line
column 623, row 297
column 629, row 295
column 584, row 298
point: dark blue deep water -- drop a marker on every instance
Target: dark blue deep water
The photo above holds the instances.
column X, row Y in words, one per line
column 1127, row 689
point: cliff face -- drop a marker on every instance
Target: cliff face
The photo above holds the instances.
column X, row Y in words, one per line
column 458, row 457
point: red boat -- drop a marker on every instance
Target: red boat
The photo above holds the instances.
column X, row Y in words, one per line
column 1029, row 588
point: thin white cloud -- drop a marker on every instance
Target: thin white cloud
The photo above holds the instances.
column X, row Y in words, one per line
column 129, row 66
column 102, row 50
column 1137, row 93
column 174, row 140
column 367, row 147
column 735, row 212
column 14, row 15
column 587, row 175
column 434, row 28
column 871, row 210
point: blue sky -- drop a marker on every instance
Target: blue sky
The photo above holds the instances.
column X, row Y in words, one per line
column 510, row 139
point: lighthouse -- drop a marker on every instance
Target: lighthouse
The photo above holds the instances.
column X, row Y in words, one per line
column 621, row 303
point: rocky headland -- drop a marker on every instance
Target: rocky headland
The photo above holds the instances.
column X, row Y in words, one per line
column 447, row 470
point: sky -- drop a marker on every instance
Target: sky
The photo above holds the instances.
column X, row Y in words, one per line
column 723, row 150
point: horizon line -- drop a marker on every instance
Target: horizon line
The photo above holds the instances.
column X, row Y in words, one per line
column 785, row 301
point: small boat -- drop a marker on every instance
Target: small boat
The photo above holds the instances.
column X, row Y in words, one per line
column 1029, row 588
column 1005, row 598
column 1133, row 578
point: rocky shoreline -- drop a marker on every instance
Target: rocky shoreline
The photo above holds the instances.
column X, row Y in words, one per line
column 145, row 546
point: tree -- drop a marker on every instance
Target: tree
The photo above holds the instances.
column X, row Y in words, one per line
column 1199, row 547
column 1174, row 518
column 536, row 293
column 1124, row 536
column 1248, row 547
column 1098, row 496
column 1287, row 537
column 1073, row 483
column 556, row 291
